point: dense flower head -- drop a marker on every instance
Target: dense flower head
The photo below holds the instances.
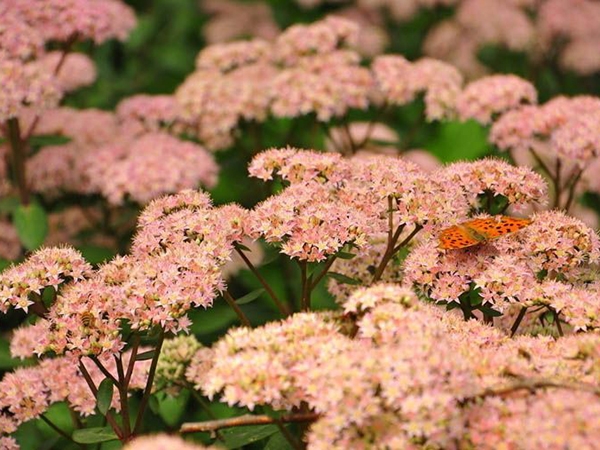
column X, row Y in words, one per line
column 62, row 20
column 76, row 71
column 8, row 443
column 324, row 36
column 308, row 222
column 234, row 19
column 481, row 100
column 399, row 82
column 175, row 264
column 415, row 376
column 86, row 127
column 295, row 166
column 54, row 170
column 153, row 111
column 228, row 56
column 523, row 268
column 25, row 86
column 175, row 357
column 506, row 23
column 29, row 391
column 520, row 185
column 265, row 366
column 364, row 299
column 326, row 84
column 19, row 40
column 169, row 204
column 529, row 127
column 578, row 139
column 152, row 165
column 213, row 103
column 44, row 268
column 558, row 242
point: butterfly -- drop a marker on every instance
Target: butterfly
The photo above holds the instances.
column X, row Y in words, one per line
column 476, row 231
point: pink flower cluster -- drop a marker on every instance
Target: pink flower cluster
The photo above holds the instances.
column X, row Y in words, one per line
column 115, row 155
column 562, row 140
column 414, row 377
column 62, row 20
column 76, row 71
column 147, row 167
column 489, row 96
column 152, row 112
column 234, row 19
column 28, row 392
column 520, row 185
column 174, row 266
column 399, row 81
column 562, row 29
column 545, row 266
column 353, row 200
column 49, row 267
column 25, row 85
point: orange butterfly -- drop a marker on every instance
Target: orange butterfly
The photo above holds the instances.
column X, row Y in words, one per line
column 476, row 231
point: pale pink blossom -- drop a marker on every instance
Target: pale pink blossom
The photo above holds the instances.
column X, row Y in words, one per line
column 233, row 19
column 152, row 165
column 25, row 86
column 489, row 96
column 62, row 20
column 76, row 71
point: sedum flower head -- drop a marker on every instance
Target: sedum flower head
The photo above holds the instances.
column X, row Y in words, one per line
column 48, row 267
column 175, row 357
column 489, row 96
column 62, row 20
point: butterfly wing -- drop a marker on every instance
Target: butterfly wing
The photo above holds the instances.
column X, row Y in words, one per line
column 456, row 237
column 494, row 227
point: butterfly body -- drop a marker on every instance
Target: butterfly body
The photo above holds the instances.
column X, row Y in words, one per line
column 477, row 231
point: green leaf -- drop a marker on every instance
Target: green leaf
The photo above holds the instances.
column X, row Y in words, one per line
column 242, row 247
column 459, row 141
column 31, row 223
column 278, row 442
column 95, row 254
column 250, row 297
column 153, row 404
column 105, row 395
column 345, row 255
column 145, row 355
column 94, row 435
column 171, row 409
column 343, row 278
column 240, row 436
column 8, row 205
column 6, row 361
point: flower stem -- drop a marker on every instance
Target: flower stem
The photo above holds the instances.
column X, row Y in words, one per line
column 109, row 417
column 149, row 383
column 58, row 430
column 18, row 150
column 283, row 308
column 231, row 302
column 520, row 317
column 248, row 419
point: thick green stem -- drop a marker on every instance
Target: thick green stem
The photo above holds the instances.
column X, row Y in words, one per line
column 304, row 298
